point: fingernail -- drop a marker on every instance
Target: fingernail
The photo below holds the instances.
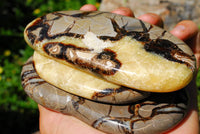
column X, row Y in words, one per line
column 179, row 28
column 123, row 11
column 180, row 32
column 196, row 48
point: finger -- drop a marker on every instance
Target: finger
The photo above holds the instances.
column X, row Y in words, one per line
column 188, row 31
column 185, row 30
column 197, row 50
column 47, row 120
column 123, row 11
column 56, row 123
column 88, row 7
column 194, row 43
column 152, row 19
column 189, row 126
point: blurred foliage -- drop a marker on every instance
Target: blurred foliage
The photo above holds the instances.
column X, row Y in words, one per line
column 12, row 96
column 16, row 14
column 198, row 80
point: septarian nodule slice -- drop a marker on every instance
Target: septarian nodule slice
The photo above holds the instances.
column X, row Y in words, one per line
column 83, row 84
column 153, row 115
column 121, row 49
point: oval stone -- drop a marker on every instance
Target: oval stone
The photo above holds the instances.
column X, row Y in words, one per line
column 153, row 115
column 120, row 49
column 83, row 84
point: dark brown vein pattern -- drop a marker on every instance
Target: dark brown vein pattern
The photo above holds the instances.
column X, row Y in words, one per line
column 114, row 28
column 152, row 115
column 119, row 49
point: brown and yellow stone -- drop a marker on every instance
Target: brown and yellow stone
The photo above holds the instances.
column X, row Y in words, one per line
column 83, row 84
column 120, row 49
column 104, row 57
column 153, row 115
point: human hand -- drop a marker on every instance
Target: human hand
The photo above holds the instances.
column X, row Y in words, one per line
column 52, row 122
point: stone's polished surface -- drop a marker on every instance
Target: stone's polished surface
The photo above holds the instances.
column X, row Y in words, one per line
column 78, row 51
column 120, row 49
column 152, row 115
column 83, row 84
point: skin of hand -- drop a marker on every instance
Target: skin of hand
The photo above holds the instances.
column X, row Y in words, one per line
column 52, row 122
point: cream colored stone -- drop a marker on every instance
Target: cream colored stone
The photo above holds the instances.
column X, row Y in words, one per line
column 69, row 79
column 147, row 71
column 81, row 83
column 139, row 69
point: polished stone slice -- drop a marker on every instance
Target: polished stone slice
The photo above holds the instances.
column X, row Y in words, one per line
column 83, row 84
column 153, row 115
column 121, row 49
